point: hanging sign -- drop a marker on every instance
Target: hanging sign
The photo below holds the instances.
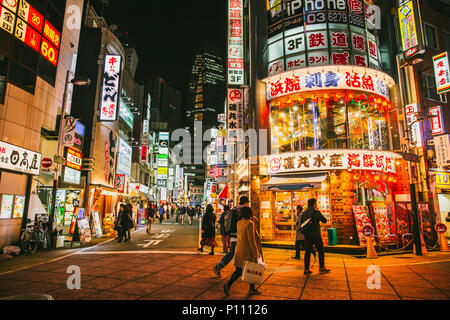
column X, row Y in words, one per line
column 235, row 42
column 19, row 159
column 110, row 93
column 437, row 121
column 442, row 73
column 235, row 115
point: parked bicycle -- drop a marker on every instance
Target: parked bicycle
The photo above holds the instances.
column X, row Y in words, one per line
column 36, row 235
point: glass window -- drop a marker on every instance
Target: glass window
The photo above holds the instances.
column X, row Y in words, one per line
column 310, row 122
column 429, row 87
column 430, row 35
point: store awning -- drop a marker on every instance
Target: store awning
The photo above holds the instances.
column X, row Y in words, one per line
column 294, row 183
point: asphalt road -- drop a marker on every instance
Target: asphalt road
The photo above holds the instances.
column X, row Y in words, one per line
column 168, row 236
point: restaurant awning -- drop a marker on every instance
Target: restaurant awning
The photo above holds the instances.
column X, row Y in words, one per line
column 294, row 183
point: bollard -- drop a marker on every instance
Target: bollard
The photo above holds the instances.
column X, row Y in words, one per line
column 371, row 252
column 422, row 242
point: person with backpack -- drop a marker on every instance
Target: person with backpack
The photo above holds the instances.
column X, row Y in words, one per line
column 310, row 227
column 225, row 223
column 244, row 202
column 300, row 238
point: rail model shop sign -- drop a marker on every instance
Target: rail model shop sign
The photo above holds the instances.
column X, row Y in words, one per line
column 109, row 103
column 19, row 159
column 328, row 78
column 324, row 160
column 19, row 18
column 410, row 27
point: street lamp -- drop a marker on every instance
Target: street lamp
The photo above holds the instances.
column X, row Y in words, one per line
column 77, row 81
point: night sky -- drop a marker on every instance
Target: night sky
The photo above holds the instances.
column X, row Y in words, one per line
column 167, row 34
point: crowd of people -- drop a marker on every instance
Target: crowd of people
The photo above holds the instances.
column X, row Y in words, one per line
column 241, row 240
column 239, row 235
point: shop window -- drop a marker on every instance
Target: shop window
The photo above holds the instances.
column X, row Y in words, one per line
column 12, row 206
column 316, row 123
column 430, row 36
column 429, row 87
column 22, row 77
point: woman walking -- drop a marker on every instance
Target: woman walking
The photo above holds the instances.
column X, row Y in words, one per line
column 130, row 219
column 209, row 230
column 248, row 248
column 122, row 223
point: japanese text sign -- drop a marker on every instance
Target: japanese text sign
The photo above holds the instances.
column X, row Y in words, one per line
column 332, row 160
column 415, row 126
column 19, row 159
column 437, row 120
column 442, row 145
column 7, row 19
column 235, row 115
column 111, row 85
column 74, row 159
column 327, row 78
column 409, row 27
column 442, row 73
column 31, row 16
column 27, row 35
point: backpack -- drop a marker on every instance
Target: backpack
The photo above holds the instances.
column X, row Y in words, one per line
column 227, row 219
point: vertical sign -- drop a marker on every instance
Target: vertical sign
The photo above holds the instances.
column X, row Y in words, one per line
column 437, row 121
column 442, row 145
column 442, row 73
column 235, row 43
column 235, row 115
column 416, row 129
column 410, row 27
column 110, row 93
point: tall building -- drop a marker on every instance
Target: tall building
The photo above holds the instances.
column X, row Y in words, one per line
column 206, row 88
column 206, row 99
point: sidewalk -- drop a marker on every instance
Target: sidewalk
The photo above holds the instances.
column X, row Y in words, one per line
column 156, row 276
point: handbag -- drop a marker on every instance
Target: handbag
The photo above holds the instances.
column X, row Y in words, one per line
column 253, row 273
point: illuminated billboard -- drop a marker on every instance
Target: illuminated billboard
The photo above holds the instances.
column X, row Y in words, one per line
column 110, row 93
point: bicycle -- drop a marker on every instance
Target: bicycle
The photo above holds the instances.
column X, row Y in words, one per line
column 36, row 235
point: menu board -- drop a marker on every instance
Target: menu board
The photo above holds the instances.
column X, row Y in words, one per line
column 380, row 213
column 323, row 203
column 362, row 219
column 19, row 207
column 84, row 230
column 7, row 206
column 97, row 225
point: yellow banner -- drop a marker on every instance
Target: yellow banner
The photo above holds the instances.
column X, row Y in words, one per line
column 442, row 180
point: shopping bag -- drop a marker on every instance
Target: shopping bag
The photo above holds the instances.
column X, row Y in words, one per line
column 253, row 273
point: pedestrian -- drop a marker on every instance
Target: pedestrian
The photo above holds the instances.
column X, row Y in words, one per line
column 225, row 223
column 150, row 217
column 191, row 214
column 161, row 214
column 248, row 248
column 199, row 211
column 131, row 221
column 182, row 214
column 300, row 237
column 172, row 211
column 313, row 236
column 244, row 202
column 209, row 230
column 122, row 219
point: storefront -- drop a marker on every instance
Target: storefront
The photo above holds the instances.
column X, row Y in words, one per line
column 330, row 141
column 442, row 194
column 17, row 167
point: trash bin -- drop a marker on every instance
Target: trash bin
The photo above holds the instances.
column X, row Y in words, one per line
column 332, row 237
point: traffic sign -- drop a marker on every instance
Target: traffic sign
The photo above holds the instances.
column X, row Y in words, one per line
column 441, row 228
column 368, row 231
column 46, row 163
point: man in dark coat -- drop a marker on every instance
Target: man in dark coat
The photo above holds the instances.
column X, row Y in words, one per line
column 313, row 236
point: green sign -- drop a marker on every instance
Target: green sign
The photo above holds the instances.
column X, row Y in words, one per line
column 126, row 115
column 163, row 156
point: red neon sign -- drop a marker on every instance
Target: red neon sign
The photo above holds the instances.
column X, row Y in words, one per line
column 31, row 16
column 49, row 52
column 52, row 34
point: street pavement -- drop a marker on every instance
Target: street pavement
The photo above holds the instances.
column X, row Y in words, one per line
column 166, row 265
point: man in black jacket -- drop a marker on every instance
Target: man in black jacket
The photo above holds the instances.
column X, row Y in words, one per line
column 313, row 236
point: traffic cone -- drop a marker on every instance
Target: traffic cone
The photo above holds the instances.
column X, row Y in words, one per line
column 371, row 252
column 444, row 243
